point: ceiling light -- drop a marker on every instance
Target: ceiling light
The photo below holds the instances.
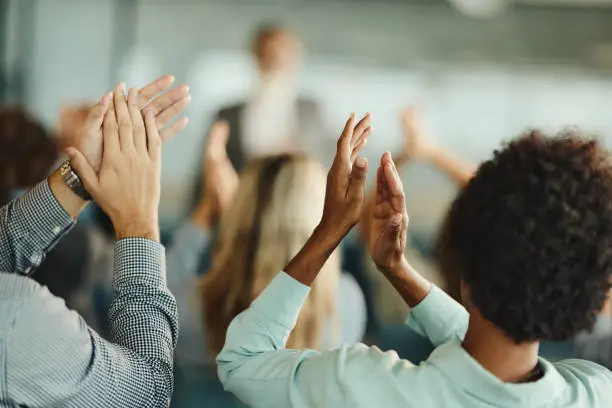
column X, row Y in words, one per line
column 481, row 8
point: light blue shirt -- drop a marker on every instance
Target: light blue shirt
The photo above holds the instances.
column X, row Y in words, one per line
column 255, row 366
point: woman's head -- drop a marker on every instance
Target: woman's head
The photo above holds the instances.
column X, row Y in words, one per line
column 277, row 206
column 531, row 236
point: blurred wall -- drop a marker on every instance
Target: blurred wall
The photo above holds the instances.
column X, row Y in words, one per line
column 478, row 82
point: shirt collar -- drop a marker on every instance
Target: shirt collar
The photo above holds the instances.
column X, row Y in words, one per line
column 461, row 369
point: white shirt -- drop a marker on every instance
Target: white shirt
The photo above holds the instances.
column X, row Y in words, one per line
column 270, row 119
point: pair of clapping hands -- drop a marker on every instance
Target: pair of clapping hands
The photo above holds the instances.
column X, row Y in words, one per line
column 345, row 194
column 117, row 152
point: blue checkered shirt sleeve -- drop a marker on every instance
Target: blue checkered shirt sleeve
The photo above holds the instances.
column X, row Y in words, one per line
column 53, row 359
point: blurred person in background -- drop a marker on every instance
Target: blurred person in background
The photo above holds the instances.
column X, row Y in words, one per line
column 275, row 119
column 265, row 217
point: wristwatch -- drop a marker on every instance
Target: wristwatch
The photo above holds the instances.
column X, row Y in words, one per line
column 73, row 181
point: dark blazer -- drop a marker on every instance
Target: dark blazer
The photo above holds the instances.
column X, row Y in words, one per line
column 310, row 126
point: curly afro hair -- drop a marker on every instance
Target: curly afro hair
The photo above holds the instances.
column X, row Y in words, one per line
column 531, row 236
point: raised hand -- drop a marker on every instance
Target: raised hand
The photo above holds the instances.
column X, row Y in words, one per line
column 127, row 186
column 345, row 192
column 220, row 178
column 78, row 132
column 415, row 143
column 389, row 223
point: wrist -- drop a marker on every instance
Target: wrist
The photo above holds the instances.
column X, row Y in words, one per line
column 411, row 286
column 328, row 235
column 148, row 229
column 65, row 196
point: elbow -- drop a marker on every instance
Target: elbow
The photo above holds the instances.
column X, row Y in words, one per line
column 164, row 384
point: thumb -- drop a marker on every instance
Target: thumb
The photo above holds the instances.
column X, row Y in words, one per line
column 83, row 169
column 96, row 114
column 356, row 189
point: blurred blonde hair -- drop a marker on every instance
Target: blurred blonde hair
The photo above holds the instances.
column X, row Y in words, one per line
column 278, row 205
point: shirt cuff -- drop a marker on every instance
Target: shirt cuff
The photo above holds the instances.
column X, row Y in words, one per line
column 436, row 314
column 282, row 300
column 44, row 217
column 140, row 261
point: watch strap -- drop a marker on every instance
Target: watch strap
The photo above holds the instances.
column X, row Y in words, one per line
column 73, row 181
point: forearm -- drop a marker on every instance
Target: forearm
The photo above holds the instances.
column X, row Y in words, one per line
column 307, row 264
column 410, row 285
column 32, row 225
column 143, row 316
column 460, row 172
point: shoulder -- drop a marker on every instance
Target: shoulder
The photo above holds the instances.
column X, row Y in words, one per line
column 230, row 110
column 592, row 377
column 47, row 335
column 308, row 105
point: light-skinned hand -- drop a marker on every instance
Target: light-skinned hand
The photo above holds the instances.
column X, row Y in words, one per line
column 220, row 178
column 85, row 135
column 415, row 144
column 127, row 186
column 389, row 224
column 345, row 192
column 220, row 175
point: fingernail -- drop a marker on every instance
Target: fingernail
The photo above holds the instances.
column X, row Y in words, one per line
column 361, row 162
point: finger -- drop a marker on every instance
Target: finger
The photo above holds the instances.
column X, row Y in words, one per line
column 165, row 116
column 147, row 92
column 356, row 189
column 380, row 186
column 360, row 144
column 95, row 117
column 84, row 170
column 138, row 127
column 174, row 129
column 153, row 136
column 343, row 147
column 126, row 137
column 168, row 99
column 394, row 186
column 110, row 133
column 360, row 128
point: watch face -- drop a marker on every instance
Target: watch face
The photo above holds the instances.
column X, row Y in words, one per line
column 65, row 168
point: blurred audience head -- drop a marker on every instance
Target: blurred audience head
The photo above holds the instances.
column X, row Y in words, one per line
column 531, row 237
column 278, row 205
column 276, row 49
column 27, row 151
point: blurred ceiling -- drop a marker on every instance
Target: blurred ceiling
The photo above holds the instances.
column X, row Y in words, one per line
column 572, row 3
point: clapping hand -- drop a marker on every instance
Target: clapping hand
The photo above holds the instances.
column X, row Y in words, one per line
column 127, row 186
column 80, row 131
column 345, row 192
column 389, row 223
column 344, row 200
column 415, row 143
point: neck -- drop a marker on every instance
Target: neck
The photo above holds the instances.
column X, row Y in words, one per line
column 497, row 353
